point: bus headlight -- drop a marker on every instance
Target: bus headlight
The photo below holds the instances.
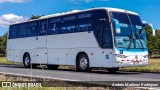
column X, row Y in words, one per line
column 120, row 56
column 146, row 56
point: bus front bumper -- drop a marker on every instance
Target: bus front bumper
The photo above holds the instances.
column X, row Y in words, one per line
column 131, row 63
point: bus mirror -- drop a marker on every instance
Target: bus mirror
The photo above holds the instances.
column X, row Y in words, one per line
column 150, row 26
column 116, row 25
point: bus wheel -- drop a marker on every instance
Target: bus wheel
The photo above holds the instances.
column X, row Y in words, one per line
column 27, row 61
column 83, row 63
column 53, row 67
column 112, row 70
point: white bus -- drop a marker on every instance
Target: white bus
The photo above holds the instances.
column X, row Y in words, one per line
column 94, row 38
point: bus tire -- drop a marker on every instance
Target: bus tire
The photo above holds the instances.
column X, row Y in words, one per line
column 112, row 70
column 27, row 61
column 83, row 63
column 53, row 67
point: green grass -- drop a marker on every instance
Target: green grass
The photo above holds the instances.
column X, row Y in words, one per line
column 3, row 60
column 153, row 66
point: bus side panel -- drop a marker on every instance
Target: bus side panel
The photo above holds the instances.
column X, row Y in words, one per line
column 17, row 56
column 34, row 56
column 72, row 40
column 62, row 46
column 95, row 57
column 10, row 51
column 18, row 47
column 10, row 55
column 68, row 56
column 107, row 58
column 59, row 56
column 41, row 56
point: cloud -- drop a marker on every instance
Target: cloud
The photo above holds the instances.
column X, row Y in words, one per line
column 7, row 19
column 14, row 1
column 86, row 1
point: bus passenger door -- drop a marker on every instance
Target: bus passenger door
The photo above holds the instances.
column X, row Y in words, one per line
column 41, row 52
column 107, row 44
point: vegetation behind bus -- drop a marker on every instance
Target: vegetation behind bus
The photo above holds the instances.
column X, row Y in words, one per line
column 153, row 43
column 35, row 17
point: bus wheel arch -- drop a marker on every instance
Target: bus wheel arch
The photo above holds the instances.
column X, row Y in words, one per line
column 82, row 62
column 26, row 60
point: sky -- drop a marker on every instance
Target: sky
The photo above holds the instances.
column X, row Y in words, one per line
column 12, row 11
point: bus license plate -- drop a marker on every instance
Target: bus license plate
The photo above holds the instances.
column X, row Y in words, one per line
column 136, row 63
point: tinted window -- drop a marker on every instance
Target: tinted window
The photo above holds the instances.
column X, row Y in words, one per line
column 121, row 17
column 84, row 22
column 124, row 18
column 135, row 19
column 43, row 27
column 99, row 27
column 107, row 37
column 68, row 24
column 13, row 32
column 54, row 26
column 32, row 29
column 22, row 30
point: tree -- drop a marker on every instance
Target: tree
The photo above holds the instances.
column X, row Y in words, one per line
column 34, row 17
column 3, row 42
column 153, row 42
column 150, row 39
column 157, row 41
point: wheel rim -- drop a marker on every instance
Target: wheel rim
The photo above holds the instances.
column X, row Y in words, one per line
column 83, row 62
column 26, row 61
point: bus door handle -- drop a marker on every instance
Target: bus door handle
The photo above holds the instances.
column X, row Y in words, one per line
column 36, row 38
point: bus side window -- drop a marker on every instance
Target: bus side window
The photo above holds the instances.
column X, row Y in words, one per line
column 32, row 29
column 22, row 30
column 107, row 37
column 84, row 22
column 10, row 32
column 42, row 27
column 99, row 26
column 54, row 26
column 13, row 32
column 68, row 24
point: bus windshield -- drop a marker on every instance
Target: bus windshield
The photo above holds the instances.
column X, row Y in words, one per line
column 129, row 36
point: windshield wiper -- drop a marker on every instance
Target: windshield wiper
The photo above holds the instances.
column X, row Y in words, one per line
column 132, row 35
column 131, row 41
column 140, row 40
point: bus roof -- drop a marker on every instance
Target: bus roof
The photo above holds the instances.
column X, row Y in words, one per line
column 78, row 11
